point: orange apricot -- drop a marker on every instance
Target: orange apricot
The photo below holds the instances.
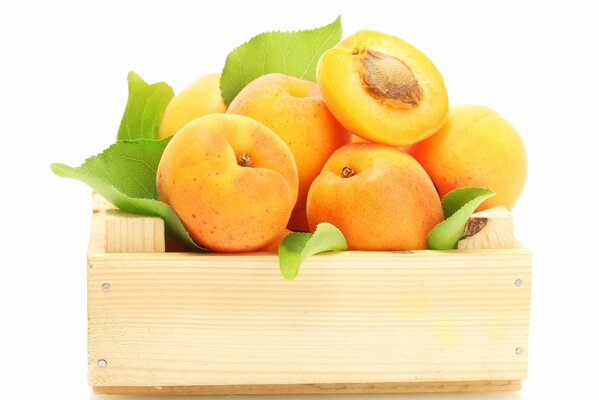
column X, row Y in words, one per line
column 476, row 147
column 273, row 247
column 294, row 109
column 378, row 196
column 200, row 98
column 383, row 89
column 358, row 139
column 231, row 180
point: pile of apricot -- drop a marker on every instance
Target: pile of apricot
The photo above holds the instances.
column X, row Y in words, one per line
column 371, row 147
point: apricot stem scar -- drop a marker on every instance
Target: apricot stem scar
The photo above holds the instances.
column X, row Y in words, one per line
column 244, row 160
column 347, row 172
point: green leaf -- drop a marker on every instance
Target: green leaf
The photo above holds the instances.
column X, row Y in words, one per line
column 458, row 206
column 298, row 246
column 125, row 174
column 145, row 108
column 290, row 53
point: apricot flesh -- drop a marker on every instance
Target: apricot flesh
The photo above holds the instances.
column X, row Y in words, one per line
column 295, row 110
column 231, row 180
column 383, row 89
column 476, row 147
column 200, row 98
column 378, row 196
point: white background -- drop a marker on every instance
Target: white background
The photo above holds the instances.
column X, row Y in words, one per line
column 63, row 68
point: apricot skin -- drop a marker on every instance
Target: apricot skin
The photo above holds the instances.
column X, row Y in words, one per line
column 201, row 97
column 476, row 147
column 358, row 139
column 224, row 206
column 273, row 247
column 294, row 109
column 389, row 204
column 364, row 111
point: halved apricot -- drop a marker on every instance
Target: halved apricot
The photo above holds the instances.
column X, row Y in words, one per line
column 383, row 89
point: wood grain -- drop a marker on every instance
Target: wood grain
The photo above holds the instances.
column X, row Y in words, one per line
column 130, row 233
column 353, row 322
column 114, row 231
column 334, row 388
column 176, row 319
column 489, row 229
column 97, row 239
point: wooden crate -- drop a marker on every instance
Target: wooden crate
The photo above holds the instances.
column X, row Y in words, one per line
column 352, row 322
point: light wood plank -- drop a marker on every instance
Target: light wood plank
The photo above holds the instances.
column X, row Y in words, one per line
column 176, row 319
column 185, row 324
column 334, row 388
column 114, row 231
column 100, row 203
column 131, row 233
column 489, row 229
column 97, row 236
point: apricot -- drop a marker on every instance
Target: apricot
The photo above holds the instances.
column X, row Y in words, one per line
column 273, row 247
column 383, row 89
column 200, row 98
column 476, row 147
column 294, row 109
column 378, row 196
column 231, row 180
column 358, row 139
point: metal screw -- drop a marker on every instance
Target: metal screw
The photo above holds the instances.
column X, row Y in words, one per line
column 102, row 363
column 519, row 350
column 518, row 282
column 106, row 286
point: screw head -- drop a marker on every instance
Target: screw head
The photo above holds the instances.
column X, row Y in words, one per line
column 519, row 350
column 106, row 286
column 518, row 282
column 102, row 363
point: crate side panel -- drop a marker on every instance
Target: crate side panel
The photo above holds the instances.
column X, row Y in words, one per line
column 177, row 320
column 316, row 388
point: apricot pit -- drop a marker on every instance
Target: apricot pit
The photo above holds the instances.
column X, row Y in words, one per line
column 390, row 79
column 383, row 89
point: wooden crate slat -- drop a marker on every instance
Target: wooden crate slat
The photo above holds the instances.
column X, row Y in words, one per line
column 353, row 322
column 489, row 229
column 114, row 231
column 130, row 233
column 334, row 388
column 185, row 319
